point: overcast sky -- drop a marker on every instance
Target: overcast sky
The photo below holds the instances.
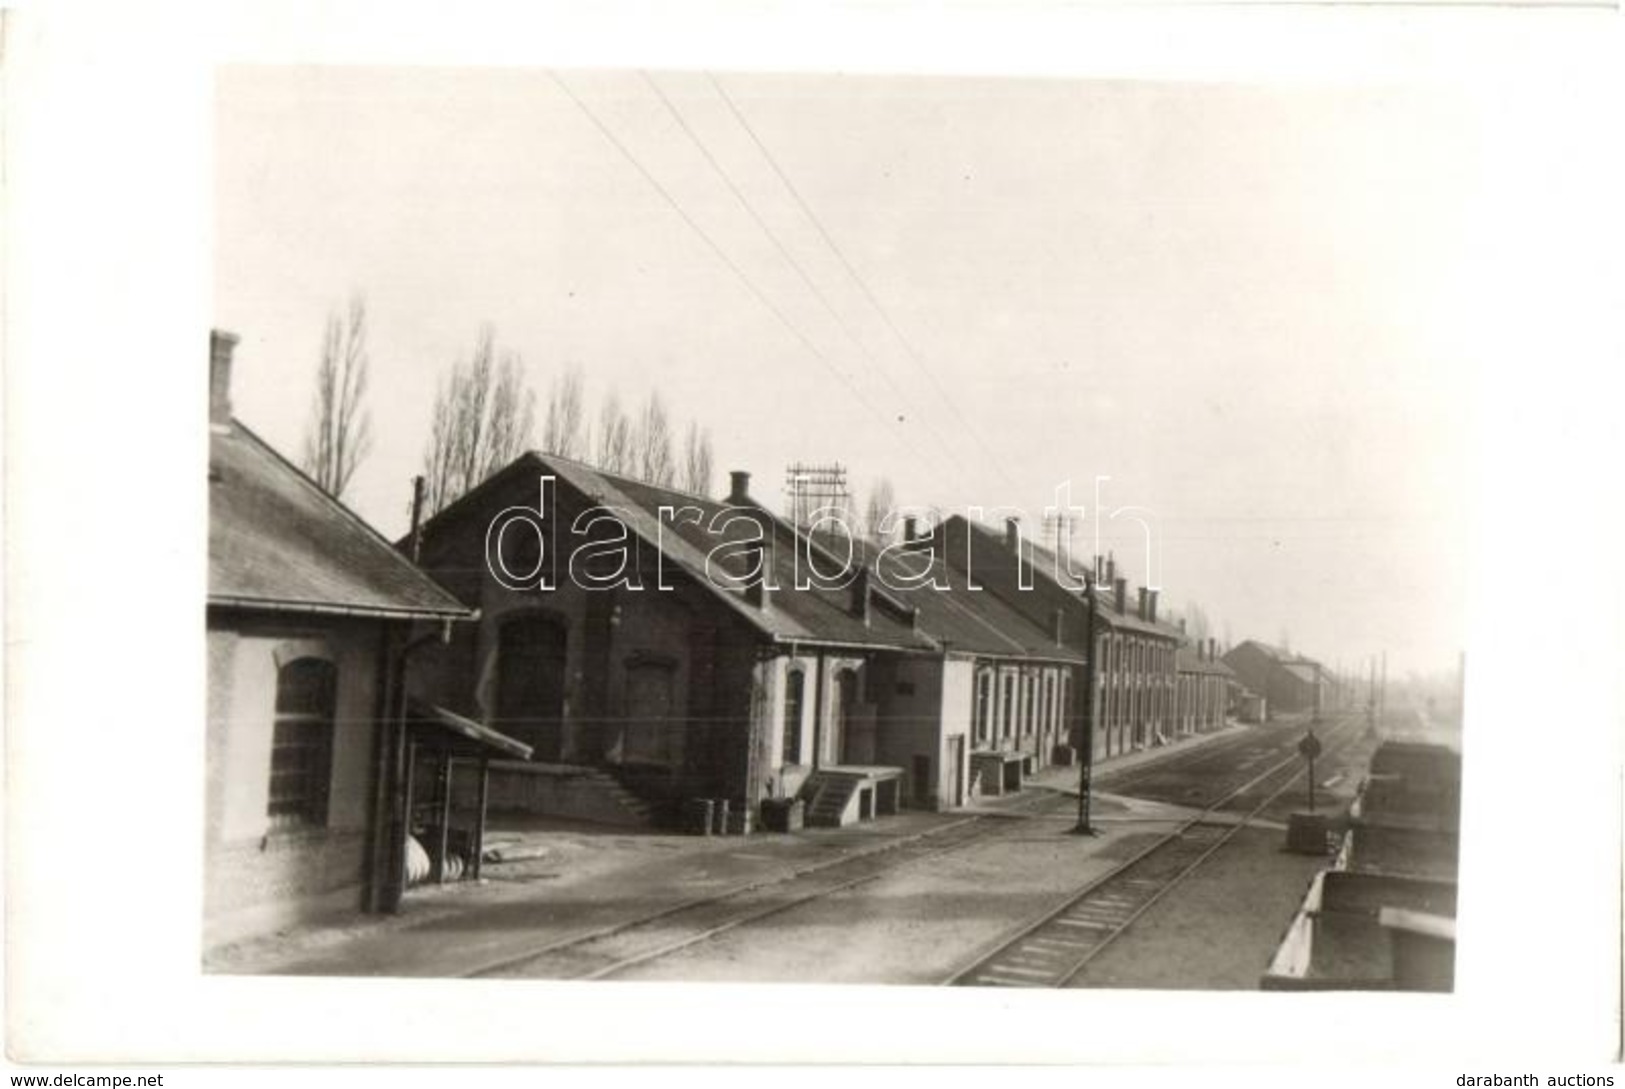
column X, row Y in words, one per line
column 1240, row 304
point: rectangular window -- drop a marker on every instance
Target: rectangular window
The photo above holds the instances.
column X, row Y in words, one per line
column 795, row 684
column 984, row 710
column 302, row 743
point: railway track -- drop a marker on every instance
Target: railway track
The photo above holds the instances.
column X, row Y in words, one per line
column 1055, row 948
column 1256, row 745
column 609, row 950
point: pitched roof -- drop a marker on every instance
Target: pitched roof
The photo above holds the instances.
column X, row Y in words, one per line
column 277, row 541
column 1047, row 565
column 1187, row 660
column 1307, row 672
column 1282, row 655
column 976, row 621
column 813, row 616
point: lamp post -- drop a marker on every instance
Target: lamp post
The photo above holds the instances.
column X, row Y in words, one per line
column 1086, row 769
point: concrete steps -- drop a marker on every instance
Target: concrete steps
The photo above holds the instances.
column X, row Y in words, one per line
column 831, row 800
column 567, row 791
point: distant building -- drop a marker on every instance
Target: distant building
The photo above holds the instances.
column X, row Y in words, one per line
column 1013, row 681
column 1135, row 673
column 1206, row 687
column 308, row 616
column 1290, row 684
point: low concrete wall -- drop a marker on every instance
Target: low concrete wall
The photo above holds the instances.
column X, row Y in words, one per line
column 583, row 794
column 261, row 886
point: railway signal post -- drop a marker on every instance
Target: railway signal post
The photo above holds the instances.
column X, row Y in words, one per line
column 1309, row 748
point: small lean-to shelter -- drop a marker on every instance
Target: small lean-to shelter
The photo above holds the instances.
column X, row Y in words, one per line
column 444, row 752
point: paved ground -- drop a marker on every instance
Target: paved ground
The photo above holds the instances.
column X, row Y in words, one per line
column 917, row 923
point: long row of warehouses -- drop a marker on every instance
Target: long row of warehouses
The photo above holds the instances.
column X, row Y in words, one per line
column 598, row 647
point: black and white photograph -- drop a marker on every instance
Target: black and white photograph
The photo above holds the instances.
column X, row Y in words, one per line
column 910, row 541
column 692, row 526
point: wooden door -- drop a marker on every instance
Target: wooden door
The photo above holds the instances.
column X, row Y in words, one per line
column 530, row 682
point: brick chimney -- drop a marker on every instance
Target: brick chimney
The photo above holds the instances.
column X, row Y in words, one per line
column 221, row 345
column 1012, row 534
column 738, row 487
column 910, row 529
column 1145, row 608
column 1151, row 605
column 1121, row 587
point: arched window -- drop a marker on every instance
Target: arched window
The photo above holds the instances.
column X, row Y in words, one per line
column 302, row 743
column 794, row 688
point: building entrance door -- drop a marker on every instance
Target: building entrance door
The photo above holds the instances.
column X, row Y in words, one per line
column 530, row 683
column 956, row 761
column 846, row 699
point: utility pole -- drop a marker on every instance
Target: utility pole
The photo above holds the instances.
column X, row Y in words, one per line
column 1086, row 762
column 1382, row 692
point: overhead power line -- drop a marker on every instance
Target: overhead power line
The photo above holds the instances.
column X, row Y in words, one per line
column 908, row 347
column 790, row 258
column 721, row 254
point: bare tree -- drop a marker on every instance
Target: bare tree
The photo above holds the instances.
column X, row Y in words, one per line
column 339, row 433
column 652, row 444
column 483, row 418
column 614, row 450
column 1197, row 622
column 697, row 460
column 566, row 432
column 882, row 501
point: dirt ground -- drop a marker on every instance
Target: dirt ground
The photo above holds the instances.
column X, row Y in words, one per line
column 583, row 877
column 920, row 923
column 916, row 924
column 1218, row 929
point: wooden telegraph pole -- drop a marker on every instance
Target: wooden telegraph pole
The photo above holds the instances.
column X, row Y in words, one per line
column 1086, row 763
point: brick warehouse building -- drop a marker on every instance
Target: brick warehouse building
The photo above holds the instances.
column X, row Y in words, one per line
column 308, row 614
column 669, row 648
column 1135, row 676
column 1289, row 683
